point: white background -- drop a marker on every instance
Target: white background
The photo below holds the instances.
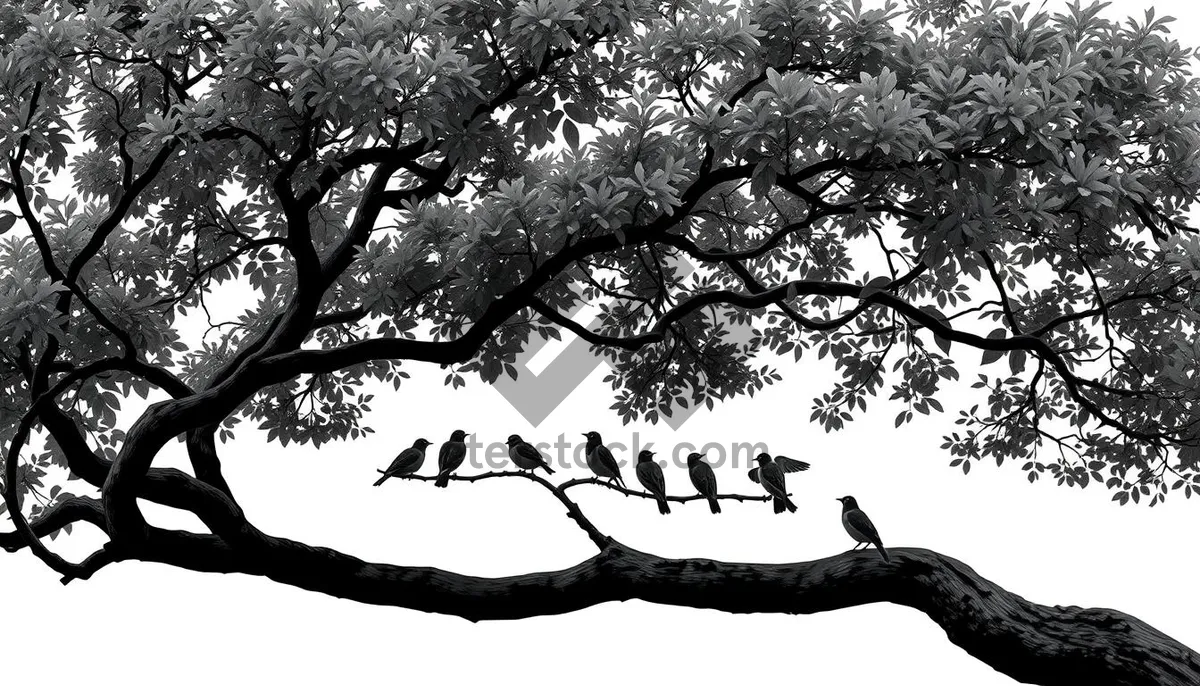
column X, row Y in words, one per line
column 138, row 623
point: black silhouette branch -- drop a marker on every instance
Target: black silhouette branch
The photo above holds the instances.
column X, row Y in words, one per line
column 573, row 511
column 1028, row 641
column 595, row 481
column 1050, row 645
column 922, row 317
column 55, row 517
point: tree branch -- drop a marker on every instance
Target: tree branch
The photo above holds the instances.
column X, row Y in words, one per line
column 595, row 481
column 1055, row 646
column 573, row 511
column 56, row 517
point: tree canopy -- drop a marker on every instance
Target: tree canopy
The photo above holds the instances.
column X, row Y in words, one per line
column 893, row 189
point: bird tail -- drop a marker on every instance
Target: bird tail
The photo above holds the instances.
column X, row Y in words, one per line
column 663, row 507
column 547, row 468
column 778, row 505
column 442, row 480
column 791, row 507
column 714, row 506
column 784, row 503
column 383, row 478
column 883, row 553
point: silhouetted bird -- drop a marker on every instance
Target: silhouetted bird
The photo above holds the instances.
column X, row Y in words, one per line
column 600, row 460
column 526, row 455
column 450, row 457
column 859, row 526
column 650, row 475
column 770, row 473
column 407, row 462
column 704, row 480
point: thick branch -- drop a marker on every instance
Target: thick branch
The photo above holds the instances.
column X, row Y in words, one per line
column 1033, row 643
column 202, row 452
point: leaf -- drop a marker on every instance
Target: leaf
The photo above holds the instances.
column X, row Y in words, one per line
column 1189, row 456
column 943, row 343
column 7, row 219
column 990, row 356
column 1016, row 361
column 876, row 285
column 571, row 134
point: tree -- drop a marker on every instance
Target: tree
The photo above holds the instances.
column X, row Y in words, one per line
column 877, row 187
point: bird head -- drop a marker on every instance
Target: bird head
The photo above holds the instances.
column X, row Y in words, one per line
column 763, row 460
column 646, row 456
column 514, row 439
column 694, row 458
column 458, row 435
column 592, row 436
column 848, row 502
column 421, row 443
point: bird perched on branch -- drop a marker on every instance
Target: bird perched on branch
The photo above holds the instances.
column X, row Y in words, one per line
column 601, row 461
column 859, row 526
column 650, row 475
column 451, row 457
column 407, row 462
column 704, row 480
column 526, row 455
column 769, row 473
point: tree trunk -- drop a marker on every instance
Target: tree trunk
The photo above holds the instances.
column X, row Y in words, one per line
column 1031, row 643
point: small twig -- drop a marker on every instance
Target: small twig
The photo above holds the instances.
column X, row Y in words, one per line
column 601, row 540
column 94, row 563
column 673, row 498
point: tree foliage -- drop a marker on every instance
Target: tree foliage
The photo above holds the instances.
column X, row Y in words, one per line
column 388, row 182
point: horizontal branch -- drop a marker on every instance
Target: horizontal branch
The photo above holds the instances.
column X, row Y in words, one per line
column 593, row 481
column 673, row 498
column 55, row 518
column 1030, row 642
column 573, row 511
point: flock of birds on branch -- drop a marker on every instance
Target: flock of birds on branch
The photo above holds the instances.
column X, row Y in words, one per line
column 769, row 474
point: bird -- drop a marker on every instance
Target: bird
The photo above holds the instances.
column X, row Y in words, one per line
column 859, row 526
column 526, row 455
column 601, row 461
column 650, row 475
column 704, row 480
column 769, row 473
column 407, row 462
column 450, row 457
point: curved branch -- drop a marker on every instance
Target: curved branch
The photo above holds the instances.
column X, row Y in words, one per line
column 94, row 563
column 1056, row 646
column 62, row 514
column 832, row 289
column 202, row 452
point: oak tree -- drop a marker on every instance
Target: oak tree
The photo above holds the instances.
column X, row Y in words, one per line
column 894, row 190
